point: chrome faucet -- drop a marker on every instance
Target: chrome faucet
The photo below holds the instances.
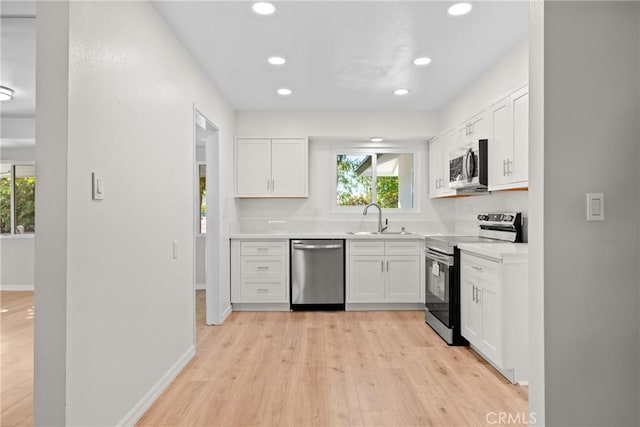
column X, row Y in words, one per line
column 380, row 227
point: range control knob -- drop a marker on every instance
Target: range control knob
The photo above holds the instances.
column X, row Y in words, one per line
column 507, row 218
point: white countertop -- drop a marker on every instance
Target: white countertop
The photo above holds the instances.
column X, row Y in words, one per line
column 329, row 235
column 505, row 252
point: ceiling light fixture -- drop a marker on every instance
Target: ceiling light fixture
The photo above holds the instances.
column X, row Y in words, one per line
column 401, row 91
column 424, row 60
column 284, row 91
column 376, row 139
column 276, row 60
column 460, row 9
column 6, row 93
column 263, row 8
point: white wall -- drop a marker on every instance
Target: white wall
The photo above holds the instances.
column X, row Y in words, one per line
column 508, row 74
column 17, row 252
column 129, row 113
column 591, row 109
column 536, row 211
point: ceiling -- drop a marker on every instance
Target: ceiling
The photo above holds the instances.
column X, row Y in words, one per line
column 345, row 55
column 341, row 55
column 18, row 65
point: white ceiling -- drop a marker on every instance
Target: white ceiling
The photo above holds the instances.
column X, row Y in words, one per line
column 342, row 55
column 18, row 65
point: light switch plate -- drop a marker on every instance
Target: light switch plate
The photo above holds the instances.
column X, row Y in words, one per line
column 595, row 206
column 97, row 186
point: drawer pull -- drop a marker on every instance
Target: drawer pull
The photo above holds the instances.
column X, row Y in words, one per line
column 262, row 290
column 263, row 267
column 262, row 249
column 476, row 268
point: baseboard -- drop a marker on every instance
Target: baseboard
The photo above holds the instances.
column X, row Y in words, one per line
column 226, row 314
column 152, row 395
column 201, row 286
column 9, row 287
column 386, row 306
column 261, row 306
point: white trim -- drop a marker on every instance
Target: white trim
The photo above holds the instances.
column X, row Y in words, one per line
column 261, row 306
column 12, row 287
column 12, row 164
column 201, row 286
column 17, row 236
column 140, row 408
column 390, row 306
column 226, row 313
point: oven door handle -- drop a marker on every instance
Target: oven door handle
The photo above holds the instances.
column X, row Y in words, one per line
column 446, row 260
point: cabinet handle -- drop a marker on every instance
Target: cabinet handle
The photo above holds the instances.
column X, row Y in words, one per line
column 273, row 184
column 262, row 249
column 504, row 166
column 387, row 265
column 382, row 266
column 268, row 182
column 509, row 162
column 473, row 293
column 263, row 267
column 262, row 290
column 476, row 268
column 478, row 293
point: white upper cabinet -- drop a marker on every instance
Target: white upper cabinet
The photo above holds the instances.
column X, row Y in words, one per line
column 509, row 142
column 272, row 167
column 472, row 130
column 439, row 149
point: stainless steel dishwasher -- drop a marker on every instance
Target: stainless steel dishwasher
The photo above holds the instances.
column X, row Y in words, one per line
column 317, row 274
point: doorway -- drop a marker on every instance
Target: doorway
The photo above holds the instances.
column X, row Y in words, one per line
column 206, row 217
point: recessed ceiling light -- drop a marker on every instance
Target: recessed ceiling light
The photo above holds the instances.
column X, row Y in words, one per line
column 263, row 8
column 424, row 60
column 276, row 60
column 284, row 91
column 460, row 9
column 376, row 139
column 401, row 91
column 6, row 94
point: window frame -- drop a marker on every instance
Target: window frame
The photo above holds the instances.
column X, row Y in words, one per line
column 12, row 164
column 367, row 149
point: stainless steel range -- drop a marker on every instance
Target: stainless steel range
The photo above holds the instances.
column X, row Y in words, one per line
column 442, row 257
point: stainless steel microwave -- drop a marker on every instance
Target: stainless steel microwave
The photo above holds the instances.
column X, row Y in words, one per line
column 468, row 167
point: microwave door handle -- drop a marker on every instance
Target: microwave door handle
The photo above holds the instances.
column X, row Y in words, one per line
column 471, row 164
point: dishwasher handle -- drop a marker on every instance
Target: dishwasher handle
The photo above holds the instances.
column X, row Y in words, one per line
column 312, row 247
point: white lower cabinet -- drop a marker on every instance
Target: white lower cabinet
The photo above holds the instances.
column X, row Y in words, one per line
column 494, row 312
column 384, row 272
column 260, row 274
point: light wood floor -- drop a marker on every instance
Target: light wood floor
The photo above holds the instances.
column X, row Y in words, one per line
column 296, row 369
column 331, row 369
column 16, row 358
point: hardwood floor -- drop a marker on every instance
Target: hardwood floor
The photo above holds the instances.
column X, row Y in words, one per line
column 16, row 358
column 296, row 369
column 332, row 369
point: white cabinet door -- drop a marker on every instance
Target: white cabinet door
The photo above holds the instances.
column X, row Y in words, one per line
column 473, row 129
column 403, row 279
column 509, row 142
column 435, row 166
column 489, row 299
column 439, row 150
column 500, row 144
column 253, row 167
column 519, row 171
column 470, row 310
column 366, row 279
column 289, row 167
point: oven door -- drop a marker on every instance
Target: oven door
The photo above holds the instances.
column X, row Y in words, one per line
column 439, row 292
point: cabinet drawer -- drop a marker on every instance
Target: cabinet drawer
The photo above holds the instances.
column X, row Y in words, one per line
column 480, row 267
column 263, row 248
column 366, row 248
column 262, row 290
column 262, row 266
column 402, row 248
